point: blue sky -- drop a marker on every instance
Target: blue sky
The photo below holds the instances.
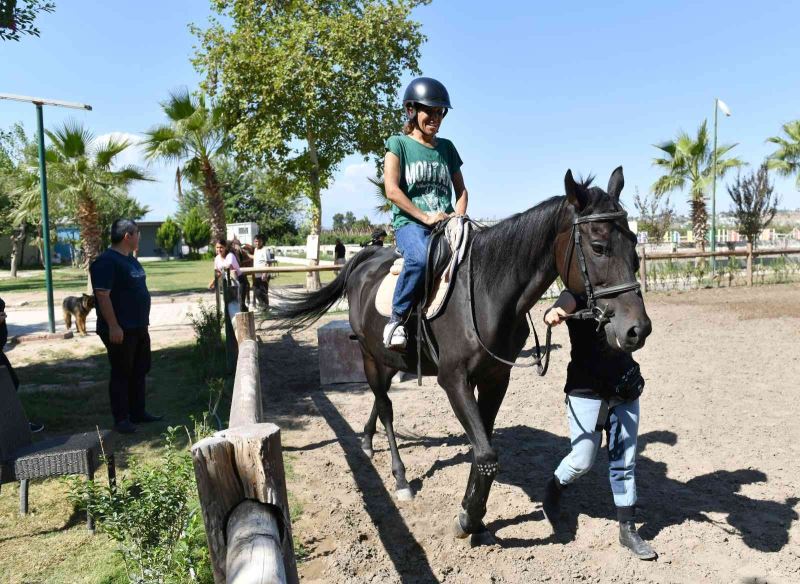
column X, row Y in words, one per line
column 537, row 87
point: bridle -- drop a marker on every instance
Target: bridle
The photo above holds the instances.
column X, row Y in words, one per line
column 592, row 311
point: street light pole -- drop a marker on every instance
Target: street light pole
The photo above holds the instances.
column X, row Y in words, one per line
column 48, row 273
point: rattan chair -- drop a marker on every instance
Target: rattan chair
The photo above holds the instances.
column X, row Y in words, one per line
column 22, row 460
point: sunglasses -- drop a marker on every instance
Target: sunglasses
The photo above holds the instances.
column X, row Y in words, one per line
column 440, row 112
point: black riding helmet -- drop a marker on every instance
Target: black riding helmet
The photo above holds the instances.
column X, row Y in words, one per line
column 427, row 91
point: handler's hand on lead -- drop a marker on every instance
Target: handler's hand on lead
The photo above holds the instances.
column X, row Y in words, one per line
column 554, row 316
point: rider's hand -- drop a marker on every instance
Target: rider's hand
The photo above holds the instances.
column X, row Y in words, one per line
column 554, row 316
column 434, row 218
column 115, row 334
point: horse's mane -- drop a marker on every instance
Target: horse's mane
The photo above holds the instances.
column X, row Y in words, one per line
column 520, row 243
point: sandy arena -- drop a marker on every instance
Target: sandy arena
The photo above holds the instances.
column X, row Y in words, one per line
column 717, row 471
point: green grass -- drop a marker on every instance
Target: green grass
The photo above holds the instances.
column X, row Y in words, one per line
column 51, row 544
column 165, row 277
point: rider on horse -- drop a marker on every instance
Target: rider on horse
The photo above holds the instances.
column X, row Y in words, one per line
column 420, row 172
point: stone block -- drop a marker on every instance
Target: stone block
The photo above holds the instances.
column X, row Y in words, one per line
column 340, row 358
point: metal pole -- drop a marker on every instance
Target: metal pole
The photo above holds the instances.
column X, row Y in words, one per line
column 48, row 275
column 714, row 196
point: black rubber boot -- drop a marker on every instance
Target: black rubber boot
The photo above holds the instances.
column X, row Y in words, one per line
column 629, row 538
column 551, row 502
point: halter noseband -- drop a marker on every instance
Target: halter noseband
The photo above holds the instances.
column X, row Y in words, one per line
column 593, row 311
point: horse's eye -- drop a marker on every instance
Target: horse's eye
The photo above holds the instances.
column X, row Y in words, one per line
column 599, row 248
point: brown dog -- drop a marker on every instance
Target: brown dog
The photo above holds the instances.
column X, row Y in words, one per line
column 79, row 307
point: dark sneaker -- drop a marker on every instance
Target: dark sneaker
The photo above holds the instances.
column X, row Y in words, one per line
column 36, row 427
column 551, row 502
column 125, row 427
column 146, row 418
column 630, row 538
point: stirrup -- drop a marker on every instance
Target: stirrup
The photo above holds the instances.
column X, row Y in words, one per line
column 394, row 336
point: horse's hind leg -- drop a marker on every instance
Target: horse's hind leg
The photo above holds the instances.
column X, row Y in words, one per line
column 380, row 378
column 369, row 430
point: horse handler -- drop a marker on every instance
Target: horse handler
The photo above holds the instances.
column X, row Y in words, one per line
column 603, row 388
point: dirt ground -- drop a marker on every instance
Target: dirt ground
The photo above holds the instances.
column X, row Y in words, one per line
column 717, row 470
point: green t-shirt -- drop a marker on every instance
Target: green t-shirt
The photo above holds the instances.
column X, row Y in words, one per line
column 426, row 175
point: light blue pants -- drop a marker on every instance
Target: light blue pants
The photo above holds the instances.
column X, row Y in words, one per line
column 622, row 428
column 412, row 242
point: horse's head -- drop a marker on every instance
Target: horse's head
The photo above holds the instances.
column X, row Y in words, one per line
column 596, row 258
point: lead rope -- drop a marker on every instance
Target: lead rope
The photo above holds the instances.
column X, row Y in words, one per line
column 541, row 368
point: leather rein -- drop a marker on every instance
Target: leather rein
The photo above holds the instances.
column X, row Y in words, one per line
column 592, row 312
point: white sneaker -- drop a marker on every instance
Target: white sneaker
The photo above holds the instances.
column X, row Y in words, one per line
column 394, row 336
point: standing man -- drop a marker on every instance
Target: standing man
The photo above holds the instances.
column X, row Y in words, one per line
column 123, row 315
column 338, row 253
column 260, row 281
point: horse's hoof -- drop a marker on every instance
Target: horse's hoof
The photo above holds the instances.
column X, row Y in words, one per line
column 458, row 531
column 369, row 452
column 404, row 494
column 484, row 537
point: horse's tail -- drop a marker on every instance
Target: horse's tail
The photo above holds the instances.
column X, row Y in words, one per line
column 301, row 310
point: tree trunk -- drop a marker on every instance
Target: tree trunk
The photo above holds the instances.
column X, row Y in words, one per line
column 214, row 201
column 699, row 221
column 91, row 235
column 312, row 278
column 18, row 238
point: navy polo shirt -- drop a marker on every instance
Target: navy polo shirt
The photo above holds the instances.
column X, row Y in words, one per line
column 125, row 279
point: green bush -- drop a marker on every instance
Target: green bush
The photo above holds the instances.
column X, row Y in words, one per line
column 209, row 348
column 196, row 231
column 168, row 235
column 154, row 516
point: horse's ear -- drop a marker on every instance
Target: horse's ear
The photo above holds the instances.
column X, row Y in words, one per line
column 576, row 194
column 615, row 183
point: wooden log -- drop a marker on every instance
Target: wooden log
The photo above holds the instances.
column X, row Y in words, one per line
column 246, row 400
column 749, row 264
column 254, row 546
column 259, row 463
column 289, row 270
column 220, row 491
column 245, row 326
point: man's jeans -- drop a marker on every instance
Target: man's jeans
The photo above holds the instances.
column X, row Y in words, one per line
column 412, row 242
column 130, row 363
column 622, row 428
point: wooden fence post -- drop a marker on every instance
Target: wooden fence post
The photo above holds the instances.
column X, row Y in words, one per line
column 245, row 326
column 749, row 264
column 643, row 270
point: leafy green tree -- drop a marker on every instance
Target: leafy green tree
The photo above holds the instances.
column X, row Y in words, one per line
column 168, row 235
column 194, row 139
column 80, row 172
column 754, row 202
column 689, row 162
column 196, row 231
column 303, row 84
column 655, row 214
column 786, row 159
column 17, row 17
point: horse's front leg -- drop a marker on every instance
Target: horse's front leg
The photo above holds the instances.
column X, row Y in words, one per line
column 484, row 465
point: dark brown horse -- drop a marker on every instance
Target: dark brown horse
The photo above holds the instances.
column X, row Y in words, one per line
column 582, row 237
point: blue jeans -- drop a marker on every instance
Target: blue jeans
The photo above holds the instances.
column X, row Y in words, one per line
column 622, row 427
column 412, row 242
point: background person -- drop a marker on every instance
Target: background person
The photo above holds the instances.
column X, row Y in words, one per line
column 599, row 399
column 123, row 317
column 420, row 172
column 338, row 253
column 226, row 260
column 261, row 259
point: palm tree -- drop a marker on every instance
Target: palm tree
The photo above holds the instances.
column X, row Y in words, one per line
column 193, row 138
column 384, row 206
column 80, row 174
column 786, row 159
column 689, row 162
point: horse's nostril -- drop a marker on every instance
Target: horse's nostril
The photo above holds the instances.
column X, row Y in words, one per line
column 633, row 332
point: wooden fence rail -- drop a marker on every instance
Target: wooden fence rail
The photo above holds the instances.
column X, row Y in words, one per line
column 749, row 253
column 240, row 477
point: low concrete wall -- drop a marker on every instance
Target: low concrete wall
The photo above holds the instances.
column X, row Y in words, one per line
column 340, row 358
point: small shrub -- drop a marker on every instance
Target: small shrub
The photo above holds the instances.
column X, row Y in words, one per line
column 154, row 517
column 209, row 349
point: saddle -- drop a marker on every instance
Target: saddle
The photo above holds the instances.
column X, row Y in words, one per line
column 445, row 251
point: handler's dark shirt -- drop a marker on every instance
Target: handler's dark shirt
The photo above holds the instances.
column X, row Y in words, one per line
column 594, row 368
column 125, row 279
